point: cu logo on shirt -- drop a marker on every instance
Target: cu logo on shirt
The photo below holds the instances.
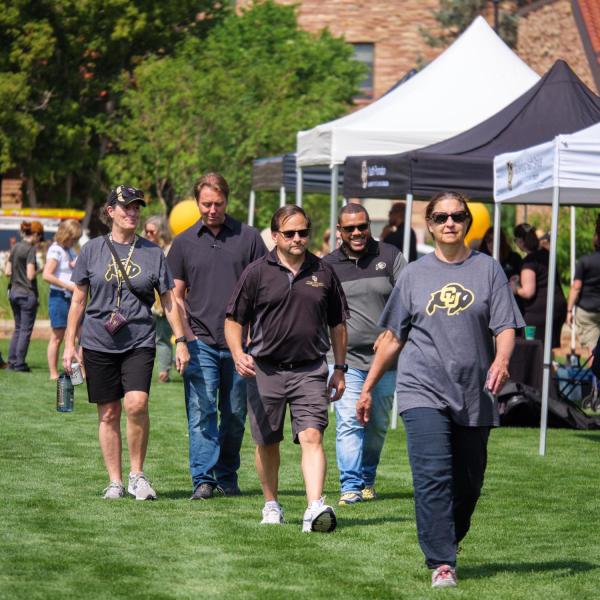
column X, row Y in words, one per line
column 132, row 271
column 453, row 298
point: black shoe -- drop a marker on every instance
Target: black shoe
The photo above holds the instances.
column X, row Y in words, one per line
column 231, row 491
column 23, row 369
column 203, row 492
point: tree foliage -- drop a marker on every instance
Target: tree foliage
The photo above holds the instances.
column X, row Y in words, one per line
column 241, row 93
column 60, row 64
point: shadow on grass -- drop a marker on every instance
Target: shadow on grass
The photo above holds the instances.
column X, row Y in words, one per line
column 492, row 569
column 594, row 437
column 344, row 520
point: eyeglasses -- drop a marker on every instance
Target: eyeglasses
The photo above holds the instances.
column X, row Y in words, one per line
column 150, row 231
column 350, row 228
column 290, row 234
column 441, row 217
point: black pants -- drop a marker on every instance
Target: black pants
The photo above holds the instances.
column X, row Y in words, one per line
column 448, row 464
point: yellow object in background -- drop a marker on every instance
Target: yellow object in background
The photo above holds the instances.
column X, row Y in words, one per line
column 183, row 215
column 481, row 222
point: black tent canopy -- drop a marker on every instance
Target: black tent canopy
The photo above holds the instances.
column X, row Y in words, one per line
column 559, row 103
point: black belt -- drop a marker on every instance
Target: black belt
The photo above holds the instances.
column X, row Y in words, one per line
column 290, row 366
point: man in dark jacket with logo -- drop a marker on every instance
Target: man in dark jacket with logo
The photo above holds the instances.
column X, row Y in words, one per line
column 368, row 271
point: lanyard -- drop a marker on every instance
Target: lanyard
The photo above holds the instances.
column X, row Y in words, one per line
column 125, row 268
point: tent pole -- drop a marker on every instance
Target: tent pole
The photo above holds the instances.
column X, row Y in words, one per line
column 573, row 258
column 299, row 183
column 282, row 196
column 407, row 227
column 251, row 208
column 497, row 225
column 549, row 311
column 333, row 208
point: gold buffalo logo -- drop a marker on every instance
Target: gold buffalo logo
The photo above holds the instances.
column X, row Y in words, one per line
column 452, row 298
column 132, row 271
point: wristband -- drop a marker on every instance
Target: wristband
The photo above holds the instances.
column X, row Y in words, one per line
column 181, row 339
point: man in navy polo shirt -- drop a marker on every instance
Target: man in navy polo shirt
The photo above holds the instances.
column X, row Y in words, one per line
column 293, row 303
column 368, row 271
column 206, row 261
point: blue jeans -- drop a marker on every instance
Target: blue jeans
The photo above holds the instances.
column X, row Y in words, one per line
column 24, row 307
column 448, row 464
column 211, row 383
column 358, row 448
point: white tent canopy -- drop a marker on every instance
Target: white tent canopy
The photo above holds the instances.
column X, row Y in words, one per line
column 473, row 79
column 564, row 171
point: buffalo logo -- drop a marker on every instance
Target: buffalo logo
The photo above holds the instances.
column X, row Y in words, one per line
column 453, row 298
column 364, row 174
column 132, row 271
column 314, row 282
column 380, row 266
column 510, row 169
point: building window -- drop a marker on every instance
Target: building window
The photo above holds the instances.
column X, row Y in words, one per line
column 365, row 53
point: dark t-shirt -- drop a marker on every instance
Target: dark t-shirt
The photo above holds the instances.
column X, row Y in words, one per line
column 289, row 315
column 396, row 238
column 147, row 272
column 211, row 267
column 534, row 309
column 588, row 272
column 22, row 254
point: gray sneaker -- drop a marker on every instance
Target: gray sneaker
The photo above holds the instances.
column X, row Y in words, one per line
column 114, row 491
column 140, row 487
column 205, row 491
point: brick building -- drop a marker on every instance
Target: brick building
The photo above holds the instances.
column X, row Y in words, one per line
column 567, row 29
column 385, row 34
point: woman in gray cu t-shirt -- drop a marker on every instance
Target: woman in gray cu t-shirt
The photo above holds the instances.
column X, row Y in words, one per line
column 117, row 337
column 443, row 315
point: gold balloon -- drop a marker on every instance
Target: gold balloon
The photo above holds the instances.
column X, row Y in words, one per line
column 481, row 222
column 183, row 215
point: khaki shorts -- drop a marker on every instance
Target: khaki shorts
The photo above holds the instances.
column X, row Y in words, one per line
column 588, row 327
column 304, row 388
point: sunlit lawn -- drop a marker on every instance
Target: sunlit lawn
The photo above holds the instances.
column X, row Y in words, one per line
column 534, row 533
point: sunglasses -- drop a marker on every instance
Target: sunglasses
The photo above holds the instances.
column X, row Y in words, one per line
column 350, row 228
column 289, row 235
column 441, row 217
column 150, row 231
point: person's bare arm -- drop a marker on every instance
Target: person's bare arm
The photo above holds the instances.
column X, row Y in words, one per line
column 173, row 315
column 339, row 342
column 50, row 277
column 244, row 363
column 179, row 292
column 573, row 297
column 76, row 311
column 30, row 271
column 527, row 287
column 498, row 372
column 386, row 355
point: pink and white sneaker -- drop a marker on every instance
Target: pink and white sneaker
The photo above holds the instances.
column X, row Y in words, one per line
column 444, row 576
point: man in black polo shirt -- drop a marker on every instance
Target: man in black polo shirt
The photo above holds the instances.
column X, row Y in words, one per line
column 293, row 303
column 368, row 271
column 206, row 261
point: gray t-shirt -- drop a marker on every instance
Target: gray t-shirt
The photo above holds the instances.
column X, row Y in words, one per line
column 147, row 272
column 22, row 254
column 448, row 314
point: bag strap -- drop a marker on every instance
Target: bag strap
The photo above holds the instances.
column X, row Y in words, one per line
column 121, row 269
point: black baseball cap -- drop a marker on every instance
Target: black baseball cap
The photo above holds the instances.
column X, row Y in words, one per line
column 125, row 195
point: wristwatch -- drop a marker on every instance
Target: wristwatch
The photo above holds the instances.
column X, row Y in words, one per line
column 181, row 339
column 343, row 367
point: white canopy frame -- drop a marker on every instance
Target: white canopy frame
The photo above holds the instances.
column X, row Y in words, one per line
column 565, row 171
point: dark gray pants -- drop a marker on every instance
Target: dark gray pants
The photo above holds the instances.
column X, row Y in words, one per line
column 24, row 309
column 448, row 464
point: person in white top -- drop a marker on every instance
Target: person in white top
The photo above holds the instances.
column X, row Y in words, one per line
column 60, row 260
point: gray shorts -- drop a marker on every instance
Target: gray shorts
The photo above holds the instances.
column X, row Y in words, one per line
column 303, row 387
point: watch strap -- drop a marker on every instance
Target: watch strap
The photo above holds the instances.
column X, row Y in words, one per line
column 181, row 339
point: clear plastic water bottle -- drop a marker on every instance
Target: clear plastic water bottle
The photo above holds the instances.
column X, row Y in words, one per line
column 574, row 360
column 64, row 393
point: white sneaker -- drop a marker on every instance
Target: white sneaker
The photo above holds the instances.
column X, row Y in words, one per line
column 319, row 517
column 444, row 576
column 114, row 491
column 140, row 487
column 272, row 514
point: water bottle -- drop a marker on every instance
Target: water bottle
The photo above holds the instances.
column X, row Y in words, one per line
column 64, row 393
column 574, row 360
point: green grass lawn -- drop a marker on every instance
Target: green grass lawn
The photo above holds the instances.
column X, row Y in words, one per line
column 534, row 534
